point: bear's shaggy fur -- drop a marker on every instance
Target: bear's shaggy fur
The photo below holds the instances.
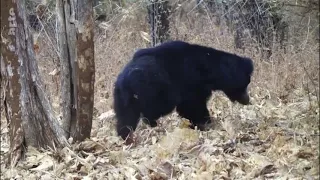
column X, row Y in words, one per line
column 177, row 75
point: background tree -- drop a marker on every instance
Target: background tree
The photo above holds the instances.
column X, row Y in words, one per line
column 79, row 27
column 257, row 21
column 158, row 13
column 31, row 119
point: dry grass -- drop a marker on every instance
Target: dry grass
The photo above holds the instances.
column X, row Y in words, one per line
column 275, row 138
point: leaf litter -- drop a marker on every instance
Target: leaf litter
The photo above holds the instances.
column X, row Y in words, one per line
column 267, row 140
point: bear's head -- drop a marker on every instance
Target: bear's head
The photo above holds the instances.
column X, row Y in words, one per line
column 241, row 69
column 232, row 75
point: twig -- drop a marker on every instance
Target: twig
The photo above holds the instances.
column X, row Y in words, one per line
column 301, row 6
column 45, row 32
column 308, row 31
column 313, row 83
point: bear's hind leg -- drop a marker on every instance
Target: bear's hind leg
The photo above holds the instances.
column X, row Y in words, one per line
column 196, row 111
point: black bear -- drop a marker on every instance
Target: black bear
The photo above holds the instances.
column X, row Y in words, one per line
column 177, row 75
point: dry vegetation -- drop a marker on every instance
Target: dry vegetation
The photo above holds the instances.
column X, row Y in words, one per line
column 275, row 138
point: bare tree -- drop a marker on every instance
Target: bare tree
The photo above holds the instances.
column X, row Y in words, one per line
column 76, row 47
column 65, row 69
column 258, row 18
column 158, row 13
column 29, row 113
column 30, row 116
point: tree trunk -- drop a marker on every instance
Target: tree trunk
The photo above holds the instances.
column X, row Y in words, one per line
column 158, row 13
column 77, row 57
column 84, row 69
column 65, row 69
column 30, row 115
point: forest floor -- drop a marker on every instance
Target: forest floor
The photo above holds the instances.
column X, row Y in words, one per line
column 264, row 140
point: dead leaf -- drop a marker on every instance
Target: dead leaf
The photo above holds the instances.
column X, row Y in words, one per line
column 267, row 170
column 154, row 175
column 204, row 176
column 167, row 169
column 89, row 146
column 107, row 115
column 153, row 139
column 303, row 154
column 46, row 164
column 184, row 123
column 145, row 36
column 46, row 177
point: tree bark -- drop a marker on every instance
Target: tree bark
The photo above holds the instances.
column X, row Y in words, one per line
column 10, row 72
column 78, row 31
column 30, row 115
column 84, row 71
column 65, row 69
column 158, row 13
